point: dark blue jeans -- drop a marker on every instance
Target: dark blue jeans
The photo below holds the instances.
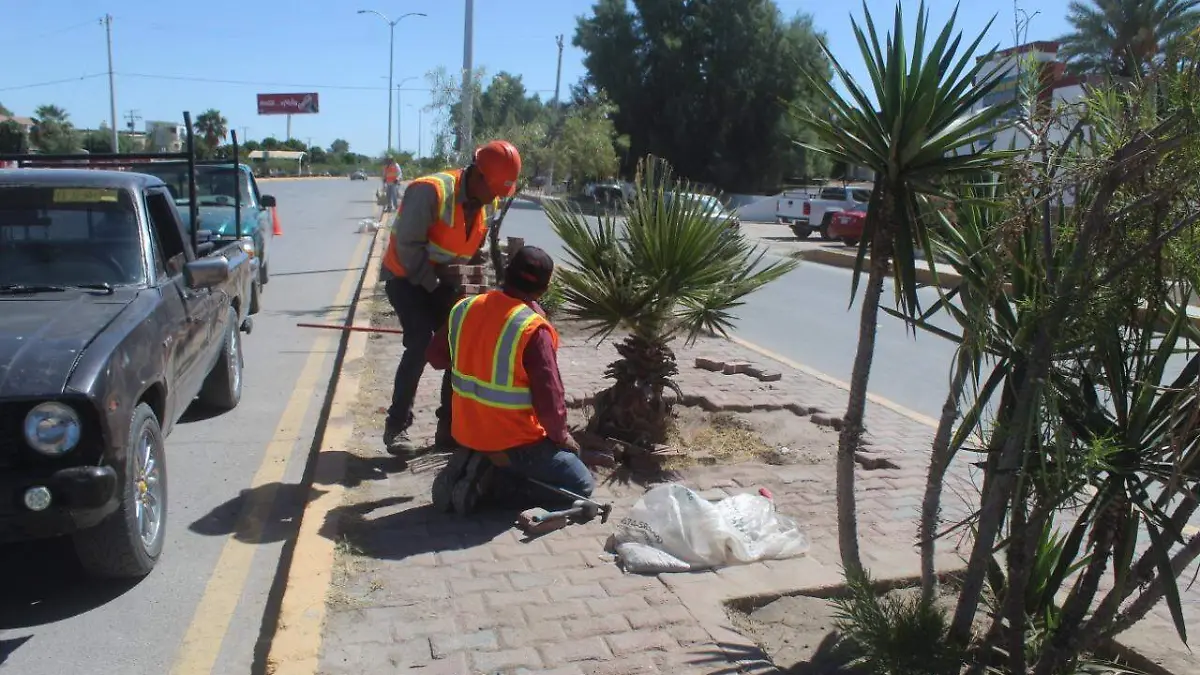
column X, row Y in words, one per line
column 548, row 463
column 421, row 313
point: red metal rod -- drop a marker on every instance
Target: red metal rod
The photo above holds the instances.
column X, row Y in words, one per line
column 352, row 329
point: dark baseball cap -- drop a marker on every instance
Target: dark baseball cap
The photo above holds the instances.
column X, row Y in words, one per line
column 529, row 269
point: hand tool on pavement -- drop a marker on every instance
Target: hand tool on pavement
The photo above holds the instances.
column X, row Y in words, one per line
column 351, row 329
column 583, row 510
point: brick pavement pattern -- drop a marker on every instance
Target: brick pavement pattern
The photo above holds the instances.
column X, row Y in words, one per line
column 435, row 593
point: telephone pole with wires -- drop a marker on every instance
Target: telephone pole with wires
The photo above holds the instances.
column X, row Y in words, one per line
column 132, row 117
column 112, row 87
column 557, row 109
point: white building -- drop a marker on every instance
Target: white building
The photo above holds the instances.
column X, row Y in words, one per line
column 1061, row 90
column 165, row 136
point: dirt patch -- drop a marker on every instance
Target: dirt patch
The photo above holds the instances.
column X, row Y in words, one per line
column 799, row 635
column 774, row 437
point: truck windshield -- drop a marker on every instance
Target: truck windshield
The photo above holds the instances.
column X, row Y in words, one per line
column 69, row 236
column 215, row 185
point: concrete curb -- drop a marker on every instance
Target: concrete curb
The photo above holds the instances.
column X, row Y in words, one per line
column 945, row 278
column 296, row 645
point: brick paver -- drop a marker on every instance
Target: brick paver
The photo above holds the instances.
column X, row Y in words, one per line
column 436, row 593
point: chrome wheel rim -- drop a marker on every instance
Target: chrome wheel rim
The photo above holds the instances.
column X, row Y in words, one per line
column 235, row 359
column 148, row 498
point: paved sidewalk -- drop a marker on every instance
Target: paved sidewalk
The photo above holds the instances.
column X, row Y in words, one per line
column 434, row 593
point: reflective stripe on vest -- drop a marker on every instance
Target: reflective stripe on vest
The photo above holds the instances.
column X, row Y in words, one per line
column 499, row 392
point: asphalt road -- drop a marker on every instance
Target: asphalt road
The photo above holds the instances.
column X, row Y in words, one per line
column 806, row 316
column 52, row 622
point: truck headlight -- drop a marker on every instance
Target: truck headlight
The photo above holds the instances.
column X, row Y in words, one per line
column 52, row 428
column 247, row 245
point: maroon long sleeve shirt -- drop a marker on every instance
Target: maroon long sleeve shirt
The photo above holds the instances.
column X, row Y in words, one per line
column 541, row 364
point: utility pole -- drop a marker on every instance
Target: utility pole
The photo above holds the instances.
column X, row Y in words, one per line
column 132, row 116
column 557, row 107
column 112, row 87
column 245, row 135
column 465, row 143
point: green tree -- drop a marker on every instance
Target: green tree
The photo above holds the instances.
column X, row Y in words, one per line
column 13, row 138
column 339, row 147
column 1125, row 37
column 916, row 129
column 53, row 132
column 705, row 83
column 212, row 127
column 317, row 155
column 100, row 141
column 666, row 269
column 5, row 111
column 271, row 143
column 588, row 144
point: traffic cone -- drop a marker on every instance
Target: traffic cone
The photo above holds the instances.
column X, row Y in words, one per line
column 275, row 229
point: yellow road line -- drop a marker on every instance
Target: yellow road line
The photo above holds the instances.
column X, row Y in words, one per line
column 296, row 645
column 829, row 379
column 202, row 643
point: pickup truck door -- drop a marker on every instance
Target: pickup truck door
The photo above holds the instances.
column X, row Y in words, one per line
column 191, row 314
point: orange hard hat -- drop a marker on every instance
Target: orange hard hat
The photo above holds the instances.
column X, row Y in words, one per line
column 500, row 164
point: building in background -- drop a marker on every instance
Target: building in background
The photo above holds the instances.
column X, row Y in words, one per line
column 25, row 122
column 165, row 136
column 1059, row 88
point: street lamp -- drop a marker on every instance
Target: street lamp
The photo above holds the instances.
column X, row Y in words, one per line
column 391, row 57
column 400, row 115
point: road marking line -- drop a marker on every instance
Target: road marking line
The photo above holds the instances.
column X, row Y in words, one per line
column 296, row 645
column 829, row 379
column 202, row 644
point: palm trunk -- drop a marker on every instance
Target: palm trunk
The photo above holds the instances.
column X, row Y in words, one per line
column 939, row 461
column 634, row 409
column 1155, row 592
column 850, row 438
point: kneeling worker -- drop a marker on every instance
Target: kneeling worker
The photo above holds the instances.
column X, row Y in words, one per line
column 509, row 412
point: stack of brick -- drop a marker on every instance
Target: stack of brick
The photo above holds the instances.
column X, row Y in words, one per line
column 477, row 278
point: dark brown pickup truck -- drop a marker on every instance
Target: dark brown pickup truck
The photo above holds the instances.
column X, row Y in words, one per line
column 114, row 320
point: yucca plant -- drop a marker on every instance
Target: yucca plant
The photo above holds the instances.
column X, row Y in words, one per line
column 917, row 127
column 671, row 266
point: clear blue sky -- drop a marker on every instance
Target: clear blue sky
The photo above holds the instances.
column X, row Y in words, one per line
column 162, row 55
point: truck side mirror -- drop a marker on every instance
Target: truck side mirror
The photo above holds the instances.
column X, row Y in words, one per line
column 268, row 202
column 206, row 272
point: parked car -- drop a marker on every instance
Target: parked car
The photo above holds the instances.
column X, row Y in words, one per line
column 816, row 213
column 716, row 209
column 847, row 226
column 114, row 320
column 230, row 206
column 358, row 175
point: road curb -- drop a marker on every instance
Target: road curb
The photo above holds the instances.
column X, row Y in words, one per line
column 945, row 278
column 296, row 644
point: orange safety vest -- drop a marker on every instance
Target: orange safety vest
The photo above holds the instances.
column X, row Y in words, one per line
column 391, row 173
column 491, row 405
column 449, row 241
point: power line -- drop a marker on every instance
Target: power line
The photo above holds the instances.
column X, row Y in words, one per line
column 54, row 82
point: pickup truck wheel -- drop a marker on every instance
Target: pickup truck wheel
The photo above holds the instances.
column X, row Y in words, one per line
column 128, row 543
column 850, row 241
column 223, row 388
column 802, row 231
column 825, row 227
column 255, row 290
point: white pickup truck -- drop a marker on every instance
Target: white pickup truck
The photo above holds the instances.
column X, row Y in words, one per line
column 812, row 215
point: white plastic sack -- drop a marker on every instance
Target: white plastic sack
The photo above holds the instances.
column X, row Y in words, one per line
column 673, row 529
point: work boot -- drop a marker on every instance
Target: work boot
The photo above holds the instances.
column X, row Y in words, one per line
column 474, row 484
column 444, row 482
column 398, row 443
column 443, row 440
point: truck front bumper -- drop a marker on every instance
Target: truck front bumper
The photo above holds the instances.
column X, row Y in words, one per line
column 80, row 497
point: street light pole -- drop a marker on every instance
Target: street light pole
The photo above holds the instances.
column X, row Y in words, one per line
column 112, row 87
column 391, row 59
column 468, row 90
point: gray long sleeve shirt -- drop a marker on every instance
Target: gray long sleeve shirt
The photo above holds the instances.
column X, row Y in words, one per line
column 417, row 213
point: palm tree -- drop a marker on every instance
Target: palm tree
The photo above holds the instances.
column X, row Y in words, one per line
column 1123, row 37
column 674, row 267
column 212, row 126
column 52, row 130
column 916, row 129
column 50, row 113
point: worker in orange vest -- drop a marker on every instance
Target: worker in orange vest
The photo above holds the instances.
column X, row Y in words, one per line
column 509, row 408
column 391, row 183
column 441, row 221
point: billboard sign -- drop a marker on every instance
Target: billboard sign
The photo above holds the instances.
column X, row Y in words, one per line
column 288, row 104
